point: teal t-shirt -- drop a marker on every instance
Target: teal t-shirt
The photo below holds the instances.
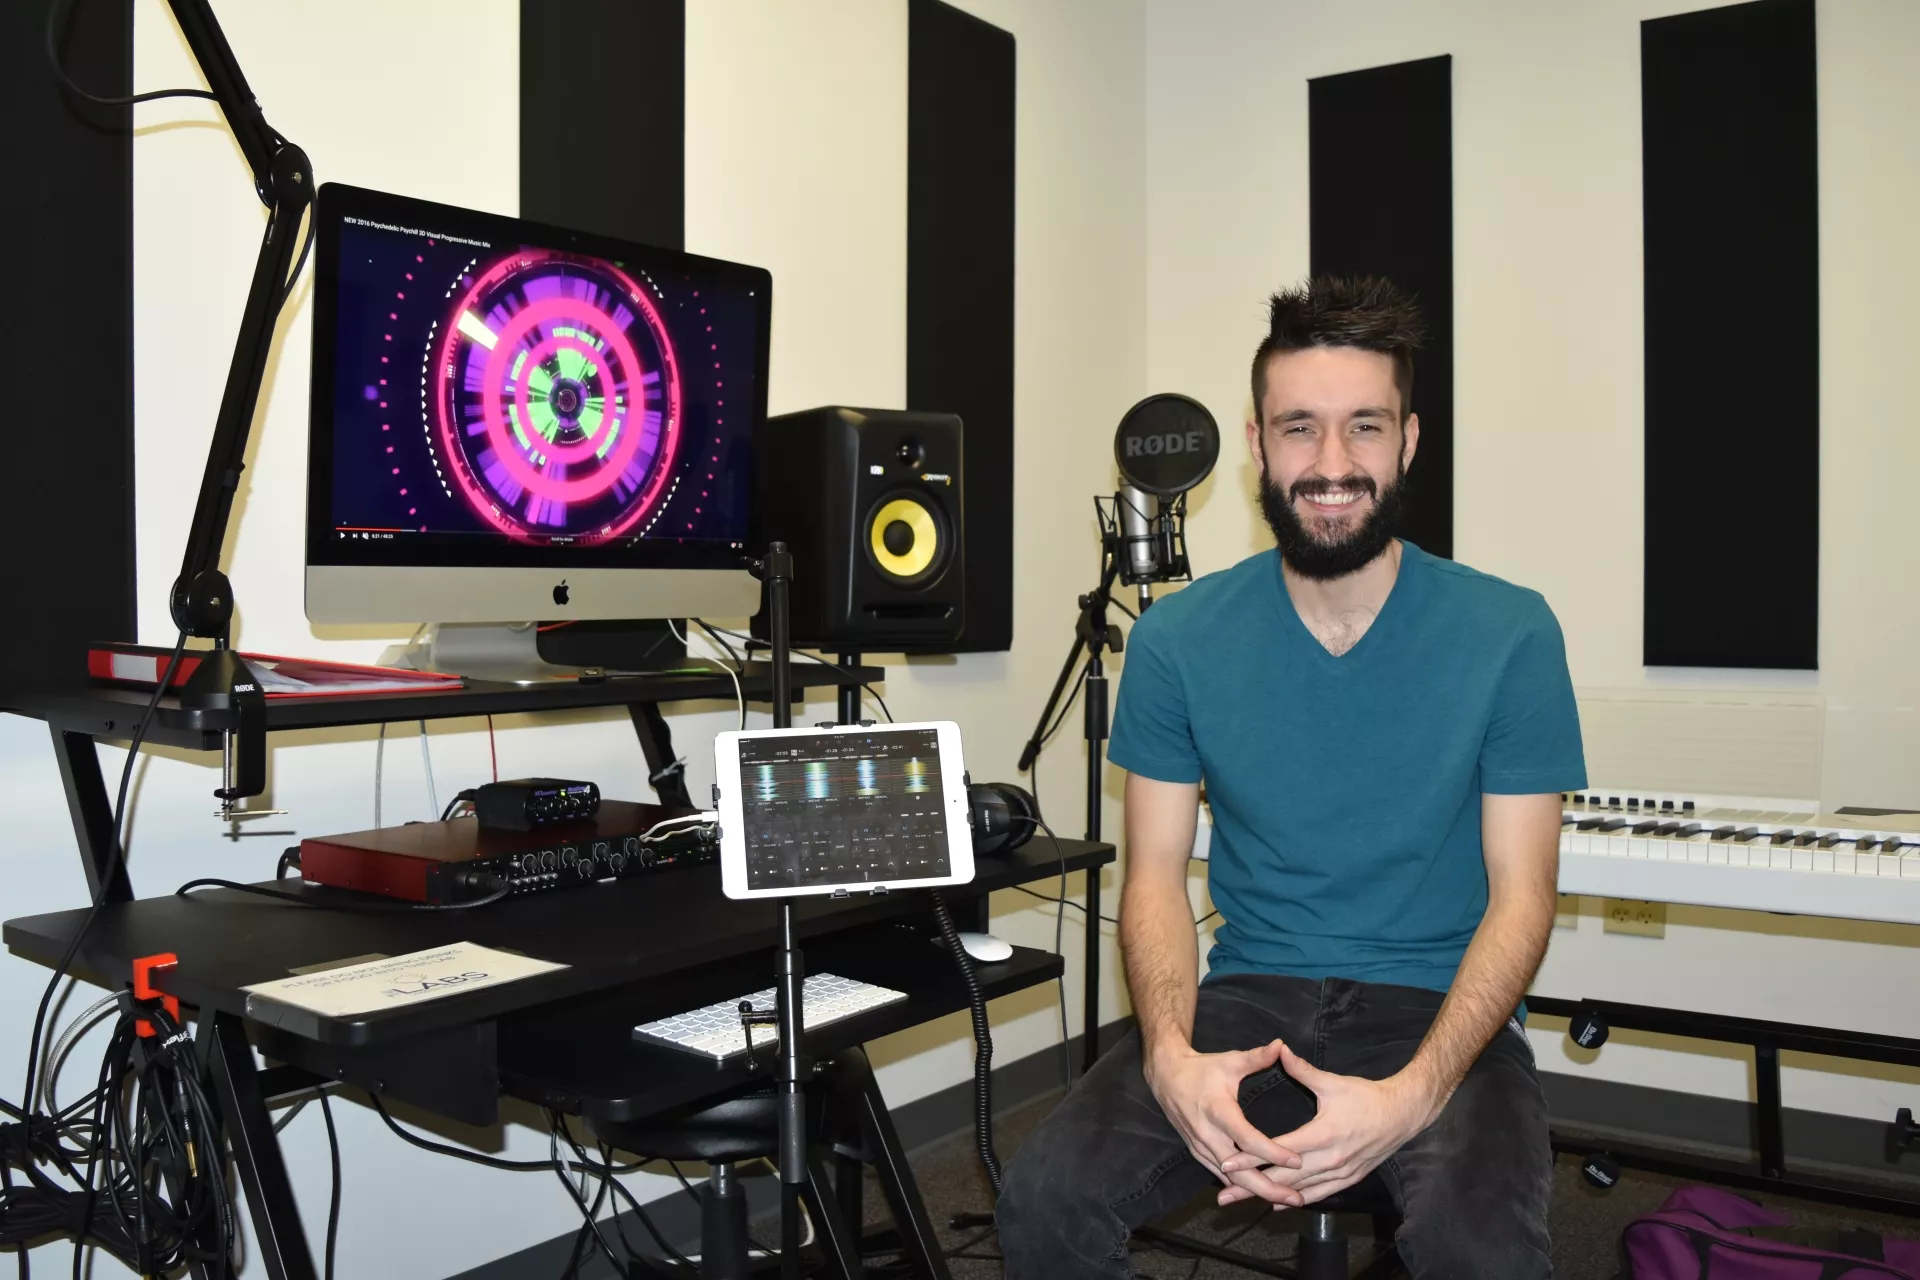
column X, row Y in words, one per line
column 1346, row 791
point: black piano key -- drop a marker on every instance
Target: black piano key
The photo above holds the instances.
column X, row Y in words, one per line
column 1723, row 833
column 1587, row 824
column 1865, row 844
column 1687, row 830
column 1783, row 836
column 1613, row 824
column 1641, row 828
column 1745, row 834
column 1805, row 838
column 1829, row 840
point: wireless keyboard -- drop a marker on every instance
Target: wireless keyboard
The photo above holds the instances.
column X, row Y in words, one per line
column 715, row 1030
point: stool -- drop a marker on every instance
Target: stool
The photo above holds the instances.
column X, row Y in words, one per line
column 1323, row 1245
column 844, row 1111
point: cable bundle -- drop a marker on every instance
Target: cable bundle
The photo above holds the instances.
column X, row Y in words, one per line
column 135, row 1167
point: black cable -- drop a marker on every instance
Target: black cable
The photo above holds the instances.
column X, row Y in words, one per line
column 1068, row 902
column 53, row 57
column 441, row 1148
column 333, row 1199
column 982, row 1042
column 293, row 278
column 371, row 904
column 739, row 667
column 606, row 1170
column 463, row 797
column 116, row 858
column 289, row 857
column 586, row 1212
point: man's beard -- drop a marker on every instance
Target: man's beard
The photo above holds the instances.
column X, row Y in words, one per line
column 1316, row 557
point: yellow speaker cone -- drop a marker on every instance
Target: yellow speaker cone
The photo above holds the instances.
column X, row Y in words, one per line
column 904, row 538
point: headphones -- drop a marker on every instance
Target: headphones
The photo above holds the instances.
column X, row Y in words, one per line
column 1002, row 815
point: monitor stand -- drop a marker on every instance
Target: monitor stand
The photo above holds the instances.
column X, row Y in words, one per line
column 512, row 653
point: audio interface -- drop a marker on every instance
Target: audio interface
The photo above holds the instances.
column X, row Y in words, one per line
column 460, row 860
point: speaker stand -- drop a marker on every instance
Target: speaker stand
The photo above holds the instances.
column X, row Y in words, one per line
column 850, row 693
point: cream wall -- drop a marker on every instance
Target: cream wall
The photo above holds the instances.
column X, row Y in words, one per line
column 796, row 141
column 1549, row 459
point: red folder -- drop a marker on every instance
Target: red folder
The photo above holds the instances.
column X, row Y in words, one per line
column 141, row 665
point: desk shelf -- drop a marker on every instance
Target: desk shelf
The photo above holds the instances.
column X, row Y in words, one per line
column 109, row 713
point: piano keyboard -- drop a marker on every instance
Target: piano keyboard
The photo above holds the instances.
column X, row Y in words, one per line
column 1708, row 852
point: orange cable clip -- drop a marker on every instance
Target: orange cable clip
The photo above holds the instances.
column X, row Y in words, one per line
column 143, row 989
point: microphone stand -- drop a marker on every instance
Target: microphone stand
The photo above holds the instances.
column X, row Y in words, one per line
column 202, row 599
column 1094, row 635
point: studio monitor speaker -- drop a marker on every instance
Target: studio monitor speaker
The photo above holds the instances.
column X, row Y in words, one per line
column 871, row 503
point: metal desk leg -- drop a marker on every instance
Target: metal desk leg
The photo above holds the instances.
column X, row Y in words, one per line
column 92, row 812
column 1090, row 1018
column 915, row 1232
column 1766, row 1080
column 281, row 1239
column 656, row 742
column 839, row 1242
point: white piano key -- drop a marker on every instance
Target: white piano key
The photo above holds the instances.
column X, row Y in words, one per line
column 1713, row 851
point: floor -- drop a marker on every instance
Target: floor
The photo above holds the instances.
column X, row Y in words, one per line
column 1586, row 1222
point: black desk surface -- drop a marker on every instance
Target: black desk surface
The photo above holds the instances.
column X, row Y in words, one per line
column 111, row 712
column 609, row 935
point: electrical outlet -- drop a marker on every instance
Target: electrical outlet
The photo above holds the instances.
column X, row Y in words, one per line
column 1566, row 911
column 1630, row 915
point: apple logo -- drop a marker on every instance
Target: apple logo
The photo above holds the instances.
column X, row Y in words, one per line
column 560, row 592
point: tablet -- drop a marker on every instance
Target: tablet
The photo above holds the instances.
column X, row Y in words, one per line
column 842, row 809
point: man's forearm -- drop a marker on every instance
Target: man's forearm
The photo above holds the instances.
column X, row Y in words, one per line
column 1163, row 965
column 1494, row 975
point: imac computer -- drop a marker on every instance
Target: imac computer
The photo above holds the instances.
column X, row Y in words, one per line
column 513, row 422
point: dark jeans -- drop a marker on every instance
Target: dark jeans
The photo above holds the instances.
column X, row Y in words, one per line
column 1472, row 1189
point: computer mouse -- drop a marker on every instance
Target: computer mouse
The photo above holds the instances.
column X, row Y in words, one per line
column 985, row 948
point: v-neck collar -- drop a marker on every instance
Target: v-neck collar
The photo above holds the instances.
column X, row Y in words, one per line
column 1389, row 608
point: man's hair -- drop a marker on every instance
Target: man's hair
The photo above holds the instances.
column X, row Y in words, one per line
column 1368, row 312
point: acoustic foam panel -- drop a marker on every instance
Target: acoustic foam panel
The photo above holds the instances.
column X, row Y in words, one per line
column 67, row 340
column 615, row 69
column 960, row 175
column 1729, row 169
column 1380, row 202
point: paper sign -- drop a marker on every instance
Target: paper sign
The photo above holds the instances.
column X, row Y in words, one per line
column 397, row 982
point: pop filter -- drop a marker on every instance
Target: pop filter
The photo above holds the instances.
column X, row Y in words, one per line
column 1166, row 445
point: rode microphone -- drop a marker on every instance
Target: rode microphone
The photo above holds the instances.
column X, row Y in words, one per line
column 1138, row 513
column 1164, row 446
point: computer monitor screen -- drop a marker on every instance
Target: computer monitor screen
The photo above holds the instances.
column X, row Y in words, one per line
column 505, row 413
column 816, row 811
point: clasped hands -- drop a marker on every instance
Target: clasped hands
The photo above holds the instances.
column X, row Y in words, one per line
column 1359, row 1123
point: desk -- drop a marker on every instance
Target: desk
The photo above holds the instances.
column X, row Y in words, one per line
column 646, row 945
column 635, row 949
column 79, row 717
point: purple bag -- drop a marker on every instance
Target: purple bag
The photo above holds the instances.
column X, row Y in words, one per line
column 1705, row 1233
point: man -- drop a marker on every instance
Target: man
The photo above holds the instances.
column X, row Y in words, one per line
column 1384, row 736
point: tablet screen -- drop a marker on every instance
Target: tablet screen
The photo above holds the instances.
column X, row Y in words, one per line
column 843, row 808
